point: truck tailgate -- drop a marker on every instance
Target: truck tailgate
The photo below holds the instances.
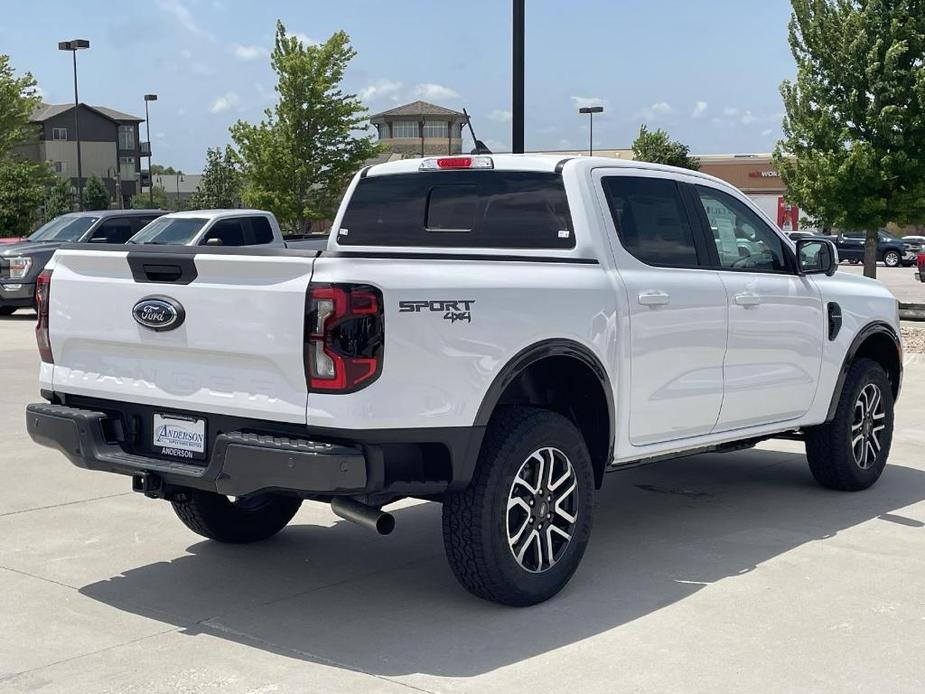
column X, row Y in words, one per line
column 238, row 351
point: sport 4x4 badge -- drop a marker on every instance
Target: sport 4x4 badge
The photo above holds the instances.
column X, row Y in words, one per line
column 452, row 310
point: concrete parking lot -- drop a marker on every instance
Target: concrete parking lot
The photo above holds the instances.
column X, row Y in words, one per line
column 713, row 573
column 900, row 280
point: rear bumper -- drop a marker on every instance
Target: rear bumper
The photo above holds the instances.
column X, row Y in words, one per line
column 249, row 456
column 240, row 464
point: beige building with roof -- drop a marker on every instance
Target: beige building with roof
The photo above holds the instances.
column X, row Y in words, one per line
column 420, row 129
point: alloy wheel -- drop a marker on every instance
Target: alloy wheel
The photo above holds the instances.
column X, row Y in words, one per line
column 867, row 426
column 542, row 509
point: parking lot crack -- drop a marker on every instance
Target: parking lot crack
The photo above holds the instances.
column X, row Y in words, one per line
column 64, row 503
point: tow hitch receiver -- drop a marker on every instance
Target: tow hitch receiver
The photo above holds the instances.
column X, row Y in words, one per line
column 149, row 484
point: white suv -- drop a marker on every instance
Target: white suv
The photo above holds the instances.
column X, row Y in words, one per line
column 489, row 332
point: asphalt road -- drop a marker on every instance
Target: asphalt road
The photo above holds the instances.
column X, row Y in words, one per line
column 708, row 574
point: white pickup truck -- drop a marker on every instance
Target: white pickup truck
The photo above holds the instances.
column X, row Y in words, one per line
column 223, row 227
column 490, row 332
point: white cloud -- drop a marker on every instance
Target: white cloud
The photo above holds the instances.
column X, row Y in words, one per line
column 500, row 116
column 699, row 108
column 747, row 118
column 306, row 39
column 249, row 52
column 436, row 92
column 565, row 143
column 224, row 102
column 587, row 101
column 380, row 89
column 731, row 111
column 659, row 109
column 182, row 16
column 767, row 132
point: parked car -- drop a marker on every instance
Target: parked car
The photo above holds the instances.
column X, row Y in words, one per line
column 892, row 250
column 914, row 244
column 22, row 262
column 489, row 332
column 226, row 228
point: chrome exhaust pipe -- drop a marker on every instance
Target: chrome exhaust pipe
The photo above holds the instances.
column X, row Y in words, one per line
column 369, row 517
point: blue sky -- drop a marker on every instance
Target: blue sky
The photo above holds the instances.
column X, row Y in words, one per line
column 706, row 70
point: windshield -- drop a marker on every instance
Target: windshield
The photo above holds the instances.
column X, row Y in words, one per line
column 178, row 231
column 64, row 228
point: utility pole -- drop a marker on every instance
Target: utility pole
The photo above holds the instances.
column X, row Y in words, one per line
column 517, row 95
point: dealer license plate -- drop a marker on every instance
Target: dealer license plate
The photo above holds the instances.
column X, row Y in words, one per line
column 179, row 437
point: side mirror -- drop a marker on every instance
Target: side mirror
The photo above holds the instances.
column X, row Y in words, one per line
column 817, row 257
column 214, row 241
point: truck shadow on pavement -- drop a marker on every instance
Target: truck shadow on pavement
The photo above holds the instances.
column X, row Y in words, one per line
column 390, row 606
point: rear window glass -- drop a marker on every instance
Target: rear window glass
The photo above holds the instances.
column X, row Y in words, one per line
column 461, row 209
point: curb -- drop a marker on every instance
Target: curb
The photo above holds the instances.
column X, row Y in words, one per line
column 909, row 311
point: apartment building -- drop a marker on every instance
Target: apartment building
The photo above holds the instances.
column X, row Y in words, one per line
column 110, row 147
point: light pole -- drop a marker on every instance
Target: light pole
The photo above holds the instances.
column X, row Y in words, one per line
column 73, row 46
column 149, row 97
column 517, row 80
column 179, row 178
column 591, row 110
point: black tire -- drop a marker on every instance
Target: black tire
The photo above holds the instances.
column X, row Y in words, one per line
column 891, row 258
column 249, row 519
column 476, row 520
column 833, row 459
column 7, row 310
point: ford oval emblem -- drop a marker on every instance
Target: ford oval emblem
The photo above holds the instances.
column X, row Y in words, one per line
column 158, row 313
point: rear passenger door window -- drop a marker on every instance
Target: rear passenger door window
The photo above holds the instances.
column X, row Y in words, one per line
column 652, row 222
column 118, row 230
column 743, row 241
column 226, row 232
column 261, row 231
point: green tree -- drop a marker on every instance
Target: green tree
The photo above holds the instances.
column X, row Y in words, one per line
column 657, row 147
column 22, row 182
column 853, row 151
column 18, row 100
column 96, row 196
column 22, row 190
column 297, row 161
column 161, row 170
column 220, row 186
column 59, row 199
column 142, row 201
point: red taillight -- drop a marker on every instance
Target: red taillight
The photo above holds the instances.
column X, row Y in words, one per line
column 343, row 337
column 42, row 295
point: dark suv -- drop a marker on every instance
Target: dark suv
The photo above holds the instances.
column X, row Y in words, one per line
column 893, row 251
column 21, row 263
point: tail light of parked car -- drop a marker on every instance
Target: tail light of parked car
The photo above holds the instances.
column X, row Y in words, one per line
column 42, row 296
column 344, row 337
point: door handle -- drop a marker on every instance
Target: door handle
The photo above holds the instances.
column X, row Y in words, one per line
column 747, row 299
column 653, row 297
